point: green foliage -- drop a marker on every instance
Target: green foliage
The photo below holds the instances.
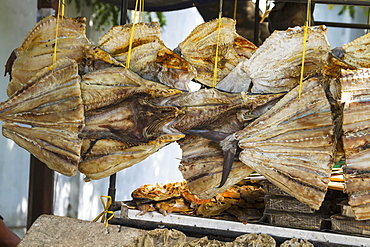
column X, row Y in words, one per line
column 351, row 10
column 107, row 15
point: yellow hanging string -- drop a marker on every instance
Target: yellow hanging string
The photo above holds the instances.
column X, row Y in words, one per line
column 217, row 46
column 61, row 3
column 131, row 37
column 142, row 16
column 235, row 7
column 305, row 32
column 103, row 215
column 63, row 8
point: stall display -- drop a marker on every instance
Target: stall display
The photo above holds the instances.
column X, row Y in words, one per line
column 102, row 108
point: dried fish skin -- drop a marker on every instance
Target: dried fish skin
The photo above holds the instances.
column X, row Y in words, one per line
column 293, row 144
column 356, row 136
column 199, row 48
column 112, row 85
column 276, row 64
column 149, row 57
column 355, row 53
column 51, row 105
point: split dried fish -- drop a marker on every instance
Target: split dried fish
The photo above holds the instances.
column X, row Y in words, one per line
column 37, row 50
column 199, row 48
column 293, row 144
column 46, row 116
column 202, row 163
column 356, row 135
column 119, row 120
column 276, row 64
column 149, row 57
column 122, row 134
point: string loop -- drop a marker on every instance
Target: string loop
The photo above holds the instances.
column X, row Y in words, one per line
column 103, row 215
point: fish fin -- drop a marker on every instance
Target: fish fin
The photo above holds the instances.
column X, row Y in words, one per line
column 228, row 145
column 9, row 64
column 229, row 156
column 216, row 136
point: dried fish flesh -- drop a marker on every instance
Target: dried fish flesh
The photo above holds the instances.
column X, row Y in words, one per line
column 149, row 57
column 293, row 144
column 37, row 50
column 356, row 136
column 46, row 116
column 276, row 64
column 199, row 48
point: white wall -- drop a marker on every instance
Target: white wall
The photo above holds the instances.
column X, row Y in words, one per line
column 15, row 21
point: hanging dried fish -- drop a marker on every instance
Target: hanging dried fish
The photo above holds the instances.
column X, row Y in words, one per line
column 356, row 136
column 202, row 163
column 46, row 116
column 199, row 48
column 122, row 134
column 276, row 64
column 149, row 57
column 119, row 121
column 293, row 144
column 37, row 50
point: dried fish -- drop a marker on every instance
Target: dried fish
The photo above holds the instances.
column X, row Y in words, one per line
column 276, row 64
column 149, row 57
column 37, row 50
column 119, row 121
column 293, row 144
column 202, row 163
column 46, row 116
column 199, row 48
column 356, row 136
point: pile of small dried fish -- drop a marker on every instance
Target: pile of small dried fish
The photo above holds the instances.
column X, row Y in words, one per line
column 240, row 202
column 86, row 111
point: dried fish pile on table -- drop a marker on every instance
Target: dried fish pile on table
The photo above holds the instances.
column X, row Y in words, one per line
column 87, row 112
column 241, row 202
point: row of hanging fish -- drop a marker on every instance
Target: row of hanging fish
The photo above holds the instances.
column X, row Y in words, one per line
column 102, row 108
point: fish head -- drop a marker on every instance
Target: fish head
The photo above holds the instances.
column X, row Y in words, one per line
column 174, row 70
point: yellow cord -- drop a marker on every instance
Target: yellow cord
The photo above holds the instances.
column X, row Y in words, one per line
column 217, row 46
column 235, row 8
column 61, row 3
column 103, row 215
column 131, row 37
column 305, row 32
